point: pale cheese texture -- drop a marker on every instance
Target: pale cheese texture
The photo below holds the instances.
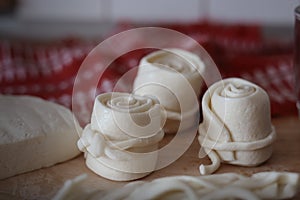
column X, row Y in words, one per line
column 262, row 185
column 121, row 142
column 34, row 133
column 174, row 77
column 236, row 127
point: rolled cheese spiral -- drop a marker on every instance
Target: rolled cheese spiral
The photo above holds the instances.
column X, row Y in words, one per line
column 121, row 141
column 263, row 185
column 174, row 77
column 236, row 127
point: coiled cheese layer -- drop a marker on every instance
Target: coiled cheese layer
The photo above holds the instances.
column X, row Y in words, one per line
column 122, row 139
column 236, row 125
column 174, row 77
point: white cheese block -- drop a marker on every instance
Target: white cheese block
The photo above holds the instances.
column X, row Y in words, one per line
column 34, row 133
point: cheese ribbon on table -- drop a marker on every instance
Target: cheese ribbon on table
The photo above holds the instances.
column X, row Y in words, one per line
column 263, row 185
column 173, row 76
column 122, row 139
column 236, row 127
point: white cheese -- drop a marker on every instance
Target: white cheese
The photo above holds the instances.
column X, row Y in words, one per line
column 121, row 142
column 236, row 127
column 174, row 77
column 34, row 133
column 262, row 185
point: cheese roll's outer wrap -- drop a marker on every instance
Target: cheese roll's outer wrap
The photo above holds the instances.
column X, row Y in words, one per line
column 121, row 142
column 174, row 77
column 236, row 127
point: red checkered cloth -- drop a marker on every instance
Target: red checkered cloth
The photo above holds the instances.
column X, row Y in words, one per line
column 274, row 73
column 48, row 70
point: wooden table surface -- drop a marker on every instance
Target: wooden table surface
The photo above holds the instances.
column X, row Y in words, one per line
column 44, row 183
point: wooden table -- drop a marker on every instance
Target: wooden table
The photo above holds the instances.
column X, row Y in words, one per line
column 44, row 183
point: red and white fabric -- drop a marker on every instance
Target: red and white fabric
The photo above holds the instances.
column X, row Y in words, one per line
column 48, row 70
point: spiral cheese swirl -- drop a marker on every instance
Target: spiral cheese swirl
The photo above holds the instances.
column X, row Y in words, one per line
column 236, row 125
column 263, row 185
column 169, row 60
column 173, row 76
column 122, row 139
column 131, row 104
column 233, row 91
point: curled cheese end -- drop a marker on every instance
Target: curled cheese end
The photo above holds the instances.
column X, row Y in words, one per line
column 209, row 169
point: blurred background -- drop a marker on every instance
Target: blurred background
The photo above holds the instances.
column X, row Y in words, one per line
column 55, row 18
column 44, row 42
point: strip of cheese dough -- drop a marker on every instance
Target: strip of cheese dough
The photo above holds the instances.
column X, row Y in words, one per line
column 236, row 126
column 262, row 185
column 121, row 142
column 34, row 133
column 173, row 76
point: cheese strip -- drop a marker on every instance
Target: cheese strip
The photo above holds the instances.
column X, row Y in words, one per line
column 122, row 139
column 34, row 133
column 263, row 185
column 236, row 126
column 173, row 76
